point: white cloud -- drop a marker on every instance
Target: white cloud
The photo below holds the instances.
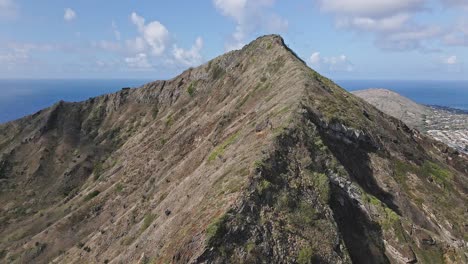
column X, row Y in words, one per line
column 391, row 22
column 69, row 14
column 450, row 60
column 450, row 63
column 19, row 54
column 250, row 16
column 139, row 62
column 106, row 45
column 371, row 8
column 190, row 57
column 155, row 34
column 116, row 31
column 315, row 58
column 136, row 45
column 332, row 64
column 8, row 9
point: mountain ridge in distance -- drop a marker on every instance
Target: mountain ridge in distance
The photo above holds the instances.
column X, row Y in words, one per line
column 444, row 124
column 252, row 157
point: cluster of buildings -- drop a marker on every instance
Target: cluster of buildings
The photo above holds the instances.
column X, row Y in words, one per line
column 448, row 126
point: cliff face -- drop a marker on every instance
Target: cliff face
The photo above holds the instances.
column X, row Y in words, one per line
column 250, row 158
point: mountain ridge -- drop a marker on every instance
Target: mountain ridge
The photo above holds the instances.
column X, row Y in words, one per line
column 250, row 157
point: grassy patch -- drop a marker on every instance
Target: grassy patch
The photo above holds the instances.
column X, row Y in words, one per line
column 305, row 255
column 322, row 185
column 191, row 90
column 219, row 150
column 387, row 218
column 169, row 120
column 119, row 187
column 216, row 229
column 263, row 186
column 91, row 195
column 303, row 215
column 155, row 112
column 149, row 218
column 97, row 170
column 428, row 170
column 438, row 174
column 250, row 246
column 217, row 72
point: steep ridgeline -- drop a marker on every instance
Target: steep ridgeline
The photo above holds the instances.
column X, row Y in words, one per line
column 250, row 158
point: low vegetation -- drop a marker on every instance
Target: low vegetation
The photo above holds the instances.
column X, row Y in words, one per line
column 219, row 150
column 149, row 218
column 91, row 195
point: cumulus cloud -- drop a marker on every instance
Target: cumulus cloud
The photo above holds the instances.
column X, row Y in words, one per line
column 69, row 14
column 332, row 64
column 138, row 62
column 8, row 9
column 154, row 34
column 450, row 60
column 189, row 57
column 20, row 54
column 250, row 16
column 450, row 63
column 371, row 9
column 390, row 21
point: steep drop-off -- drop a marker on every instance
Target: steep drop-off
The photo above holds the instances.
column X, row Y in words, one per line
column 250, row 158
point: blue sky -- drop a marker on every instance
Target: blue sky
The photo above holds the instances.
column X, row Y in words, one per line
column 343, row 39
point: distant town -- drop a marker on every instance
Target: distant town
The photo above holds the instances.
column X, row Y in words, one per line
column 449, row 126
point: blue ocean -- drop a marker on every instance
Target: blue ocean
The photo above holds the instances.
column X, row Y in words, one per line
column 23, row 97
column 453, row 94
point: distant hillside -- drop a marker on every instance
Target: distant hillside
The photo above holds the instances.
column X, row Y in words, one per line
column 398, row 106
column 252, row 157
column 442, row 123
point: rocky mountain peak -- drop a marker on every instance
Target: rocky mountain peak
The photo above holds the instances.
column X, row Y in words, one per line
column 252, row 157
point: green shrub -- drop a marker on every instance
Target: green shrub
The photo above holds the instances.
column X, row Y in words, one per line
column 305, row 255
column 155, row 112
column 169, row 120
column 304, row 214
column 215, row 229
column 97, row 171
column 119, row 187
column 91, row 195
column 149, row 218
column 217, row 72
column 263, row 185
column 191, row 89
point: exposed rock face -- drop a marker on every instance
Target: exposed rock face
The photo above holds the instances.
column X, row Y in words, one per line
column 250, row 158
